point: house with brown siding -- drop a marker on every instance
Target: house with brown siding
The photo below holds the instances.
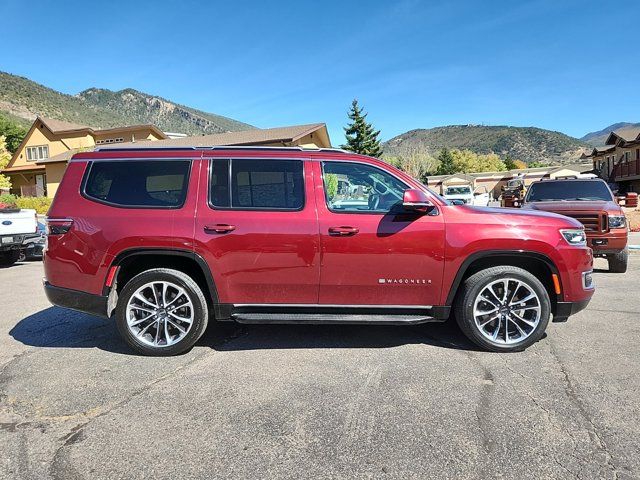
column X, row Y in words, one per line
column 494, row 181
column 618, row 160
column 37, row 166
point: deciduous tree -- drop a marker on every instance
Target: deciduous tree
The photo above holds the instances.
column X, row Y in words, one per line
column 5, row 156
column 13, row 133
column 413, row 160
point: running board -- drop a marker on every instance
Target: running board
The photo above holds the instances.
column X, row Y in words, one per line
column 328, row 318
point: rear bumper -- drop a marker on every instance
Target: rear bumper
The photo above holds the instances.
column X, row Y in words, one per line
column 76, row 300
column 14, row 244
column 564, row 310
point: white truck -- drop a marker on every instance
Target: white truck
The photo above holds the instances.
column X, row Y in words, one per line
column 464, row 193
column 15, row 225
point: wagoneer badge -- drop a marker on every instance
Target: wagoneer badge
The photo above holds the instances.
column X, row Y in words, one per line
column 404, row 281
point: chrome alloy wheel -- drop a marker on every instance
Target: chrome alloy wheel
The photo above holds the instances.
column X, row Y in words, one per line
column 507, row 311
column 159, row 314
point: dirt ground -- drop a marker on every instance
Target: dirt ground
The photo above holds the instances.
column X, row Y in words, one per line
column 633, row 216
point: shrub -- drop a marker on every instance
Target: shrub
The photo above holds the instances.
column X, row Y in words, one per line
column 8, row 199
column 39, row 204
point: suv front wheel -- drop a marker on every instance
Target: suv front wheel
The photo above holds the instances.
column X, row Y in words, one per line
column 161, row 312
column 503, row 309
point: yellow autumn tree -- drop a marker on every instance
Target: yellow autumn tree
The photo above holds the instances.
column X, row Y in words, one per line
column 466, row 161
column 5, row 156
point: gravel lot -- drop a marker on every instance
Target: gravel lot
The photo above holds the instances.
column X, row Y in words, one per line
column 292, row 401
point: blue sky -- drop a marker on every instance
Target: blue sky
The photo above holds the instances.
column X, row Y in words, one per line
column 567, row 65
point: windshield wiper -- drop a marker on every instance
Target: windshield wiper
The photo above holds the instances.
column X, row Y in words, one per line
column 582, row 199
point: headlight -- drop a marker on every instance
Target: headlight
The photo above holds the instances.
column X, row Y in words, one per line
column 575, row 237
column 617, row 221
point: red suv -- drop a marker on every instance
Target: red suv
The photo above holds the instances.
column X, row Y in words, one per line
column 165, row 240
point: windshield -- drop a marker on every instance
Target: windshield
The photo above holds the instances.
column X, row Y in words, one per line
column 457, row 191
column 569, row 191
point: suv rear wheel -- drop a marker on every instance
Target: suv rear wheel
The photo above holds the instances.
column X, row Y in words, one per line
column 161, row 312
column 503, row 309
column 618, row 262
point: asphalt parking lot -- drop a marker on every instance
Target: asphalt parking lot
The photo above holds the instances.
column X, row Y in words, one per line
column 332, row 401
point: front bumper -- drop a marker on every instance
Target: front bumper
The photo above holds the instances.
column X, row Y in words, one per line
column 613, row 241
column 564, row 310
column 76, row 300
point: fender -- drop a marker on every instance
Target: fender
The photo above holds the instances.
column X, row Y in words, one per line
column 494, row 253
column 133, row 252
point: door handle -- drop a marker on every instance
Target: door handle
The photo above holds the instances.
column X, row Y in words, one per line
column 219, row 228
column 343, row 231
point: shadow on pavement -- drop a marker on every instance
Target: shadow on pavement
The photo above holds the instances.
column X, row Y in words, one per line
column 232, row 337
column 56, row 327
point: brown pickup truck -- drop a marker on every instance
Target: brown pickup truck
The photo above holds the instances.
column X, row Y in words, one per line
column 591, row 202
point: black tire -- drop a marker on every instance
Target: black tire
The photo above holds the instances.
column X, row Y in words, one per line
column 618, row 262
column 9, row 258
column 476, row 283
column 194, row 294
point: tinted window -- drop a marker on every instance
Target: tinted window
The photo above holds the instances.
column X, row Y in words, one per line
column 220, row 195
column 572, row 190
column 139, row 183
column 457, row 191
column 257, row 184
column 355, row 187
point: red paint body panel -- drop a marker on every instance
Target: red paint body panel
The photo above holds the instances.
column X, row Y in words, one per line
column 288, row 257
column 392, row 260
column 472, row 230
column 80, row 259
column 270, row 256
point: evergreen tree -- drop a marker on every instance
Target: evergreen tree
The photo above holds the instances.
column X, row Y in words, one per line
column 446, row 165
column 509, row 163
column 361, row 136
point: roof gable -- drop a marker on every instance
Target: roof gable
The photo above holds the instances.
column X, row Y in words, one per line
column 626, row 134
column 60, row 126
column 244, row 137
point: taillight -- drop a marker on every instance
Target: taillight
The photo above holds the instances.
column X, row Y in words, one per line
column 58, row 226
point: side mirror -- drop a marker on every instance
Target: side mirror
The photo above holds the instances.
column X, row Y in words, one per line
column 457, row 202
column 415, row 200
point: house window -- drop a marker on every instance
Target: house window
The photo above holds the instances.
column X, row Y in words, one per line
column 37, row 153
column 110, row 140
column 626, row 156
column 637, row 153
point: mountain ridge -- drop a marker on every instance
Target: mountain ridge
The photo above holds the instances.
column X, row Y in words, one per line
column 529, row 144
column 103, row 108
column 599, row 137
